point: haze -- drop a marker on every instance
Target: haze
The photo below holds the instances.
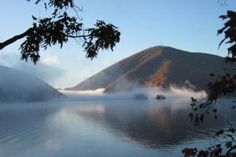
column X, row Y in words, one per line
column 183, row 24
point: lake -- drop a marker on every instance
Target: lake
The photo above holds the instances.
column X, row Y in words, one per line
column 102, row 128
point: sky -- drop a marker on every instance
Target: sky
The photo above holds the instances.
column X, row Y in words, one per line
column 184, row 24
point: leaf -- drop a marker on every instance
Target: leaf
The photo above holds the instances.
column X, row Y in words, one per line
column 219, row 132
column 212, row 74
column 193, row 99
column 34, row 18
column 214, row 110
column 191, row 115
column 202, row 118
column 228, row 144
column 37, row 1
column 231, row 130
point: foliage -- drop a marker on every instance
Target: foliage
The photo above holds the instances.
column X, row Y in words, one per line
column 223, row 146
column 229, row 31
column 226, row 84
column 224, row 139
column 223, row 84
column 59, row 27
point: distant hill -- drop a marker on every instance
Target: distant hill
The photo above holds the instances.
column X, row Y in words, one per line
column 17, row 86
column 157, row 66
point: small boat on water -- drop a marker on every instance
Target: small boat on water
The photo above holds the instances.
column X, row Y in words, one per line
column 160, row 97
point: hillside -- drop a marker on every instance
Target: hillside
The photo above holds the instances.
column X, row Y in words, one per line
column 17, row 86
column 156, row 66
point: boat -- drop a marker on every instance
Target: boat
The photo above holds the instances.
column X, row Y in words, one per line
column 159, row 97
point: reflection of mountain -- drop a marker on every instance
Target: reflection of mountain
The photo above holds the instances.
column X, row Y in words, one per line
column 156, row 66
column 142, row 124
column 19, row 86
column 150, row 125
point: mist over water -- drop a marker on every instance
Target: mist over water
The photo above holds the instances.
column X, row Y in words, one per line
column 18, row 86
column 150, row 93
column 96, row 124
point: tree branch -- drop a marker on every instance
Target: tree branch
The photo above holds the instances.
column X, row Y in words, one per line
column 229, row 151
column 78, row 36
column 15, row 38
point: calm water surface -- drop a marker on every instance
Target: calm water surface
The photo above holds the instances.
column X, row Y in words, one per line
column 101, row 128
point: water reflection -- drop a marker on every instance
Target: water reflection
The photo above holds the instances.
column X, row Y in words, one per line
column 100, row 128
column 151, row 123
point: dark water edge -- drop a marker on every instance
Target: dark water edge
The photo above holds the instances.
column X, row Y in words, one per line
column 100, row 128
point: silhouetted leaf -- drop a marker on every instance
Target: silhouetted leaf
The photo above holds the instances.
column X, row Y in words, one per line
column 34, row 18
column 219, row 132
column 228, row 144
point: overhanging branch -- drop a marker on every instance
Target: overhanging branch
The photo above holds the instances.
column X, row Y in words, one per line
column 78, row 36
column 13, row 39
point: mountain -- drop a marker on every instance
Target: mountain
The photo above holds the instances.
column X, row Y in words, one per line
column 17, row 86
column 157, row 66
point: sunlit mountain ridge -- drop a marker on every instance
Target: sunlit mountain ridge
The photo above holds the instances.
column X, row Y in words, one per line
column 157, row 67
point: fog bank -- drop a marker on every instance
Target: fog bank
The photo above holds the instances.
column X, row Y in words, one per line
column 17, row 86
column 145, row 93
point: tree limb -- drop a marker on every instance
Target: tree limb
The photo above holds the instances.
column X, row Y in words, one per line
column 15, row 38
column 229, row 151
column 78, row 36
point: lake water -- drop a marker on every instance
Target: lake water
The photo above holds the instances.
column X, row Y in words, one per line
column 101, row 128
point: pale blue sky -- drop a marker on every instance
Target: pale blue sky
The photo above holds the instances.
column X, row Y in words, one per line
column 185, row 24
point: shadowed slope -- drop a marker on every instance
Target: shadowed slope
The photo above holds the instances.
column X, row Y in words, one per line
column 16, row 86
